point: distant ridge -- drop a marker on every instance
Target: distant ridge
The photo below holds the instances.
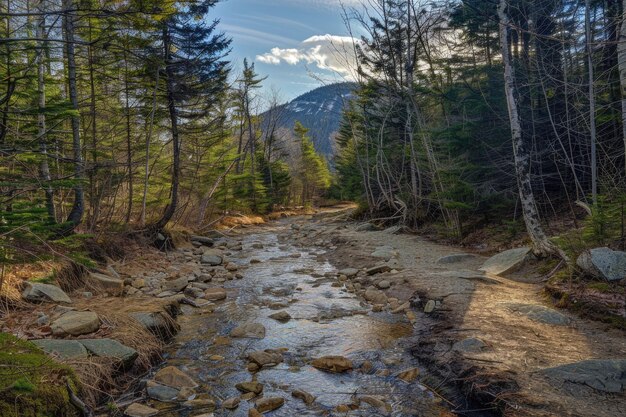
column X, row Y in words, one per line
column 320, row 111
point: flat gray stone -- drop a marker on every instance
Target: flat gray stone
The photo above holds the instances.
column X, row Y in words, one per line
column 470, row 345
column 36, row 291
column 176, row 285
column 105, row 283
column 607, row 375
column 603, row 263
column 378, row 269
column 162, row 393
column 455, row 258
column 76, row 323
column 64, row 349
column 109, row 348
column 203, row 240
column 349, row 272
column 506, row 261
column 540, row 313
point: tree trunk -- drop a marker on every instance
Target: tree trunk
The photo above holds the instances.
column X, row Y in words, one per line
column 592, row 104
column 173, row 112
column 621, row 59
column 76, row 214
column 144, row 198
column 44, row 168
column 521, row 151
column 129, row 149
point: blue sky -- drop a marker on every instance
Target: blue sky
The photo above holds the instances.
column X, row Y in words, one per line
column 288, row 40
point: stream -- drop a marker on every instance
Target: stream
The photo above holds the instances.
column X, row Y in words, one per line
column 325, row 320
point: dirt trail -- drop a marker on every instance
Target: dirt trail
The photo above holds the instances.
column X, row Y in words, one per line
column 492, row 310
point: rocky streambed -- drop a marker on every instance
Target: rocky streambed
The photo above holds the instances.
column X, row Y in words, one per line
column 290, row 338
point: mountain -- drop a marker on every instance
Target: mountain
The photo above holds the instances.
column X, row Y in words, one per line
column 318, row 110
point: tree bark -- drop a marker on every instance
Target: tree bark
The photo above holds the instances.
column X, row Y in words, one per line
column 621, row 60
column 521, row 151
column 76, row 214
column 44, row 168
column 173, row 113
column 592, row 104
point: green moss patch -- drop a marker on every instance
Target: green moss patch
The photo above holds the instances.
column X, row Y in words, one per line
column 31, row 383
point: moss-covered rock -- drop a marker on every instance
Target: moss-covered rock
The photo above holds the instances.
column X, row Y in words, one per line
column 31, row 383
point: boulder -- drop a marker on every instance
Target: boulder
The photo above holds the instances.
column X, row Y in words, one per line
column 162, row 393
column 212, row 258
column 335, row 364
column 251, row 386
column 507, row 261
column 607, row 375
column 64, row 349
column 140, row 410
column 455, row 258
column 76, row 323
column 603, row 263
column 215, row 294
column 267, row 404
column 250, row 330
column 174, row 378
column 264, row 358
column 37, row 292
column 109, row 348
column 105, row 283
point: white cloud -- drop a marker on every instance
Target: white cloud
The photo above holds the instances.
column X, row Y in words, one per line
column 327, row 52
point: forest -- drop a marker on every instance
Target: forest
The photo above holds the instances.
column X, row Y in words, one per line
column 439, row 230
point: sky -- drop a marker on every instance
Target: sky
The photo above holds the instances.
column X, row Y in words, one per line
column 290, row 41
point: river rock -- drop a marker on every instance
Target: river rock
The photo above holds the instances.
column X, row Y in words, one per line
column 607, row 375
column 105, row 283
column 203, row 240
column 64, row 349
column 176, row 285
column 470, row 345
column 109, row 348
column 603, row 263
column 336, row 364
column 215, row 294
column 140, row 410
column 539, row 313
column 375, row 296
column 250, row 330
column 304, row 396
column 253, row 412
column 162, row 393
column 231, row 403
column 409, row 375
column 384, row 252
column 76, row 323
column 455, row 258
column 175, row 378
column 266, row 404
column 250, row 386
column 212, row 258
column 505, row 262
column 265, row 358
column 378, row 269
column 38, row 292
column 349, row 272
column 384, row 284
column 281, row 316
column 430, row 306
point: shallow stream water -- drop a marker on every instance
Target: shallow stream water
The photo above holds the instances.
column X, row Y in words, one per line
column 326, row 320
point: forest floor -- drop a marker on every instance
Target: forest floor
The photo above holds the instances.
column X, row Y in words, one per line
column 426, row 333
